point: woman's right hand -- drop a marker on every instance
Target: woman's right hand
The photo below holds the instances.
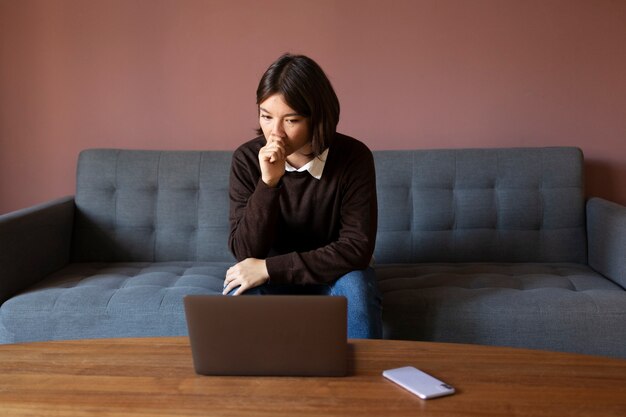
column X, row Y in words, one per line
column 272, row 161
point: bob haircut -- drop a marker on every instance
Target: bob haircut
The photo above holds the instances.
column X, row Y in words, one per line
column 307, row 90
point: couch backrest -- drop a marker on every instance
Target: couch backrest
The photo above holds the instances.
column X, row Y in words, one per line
column 479, row 205
column 464, row 205
column 152, row 206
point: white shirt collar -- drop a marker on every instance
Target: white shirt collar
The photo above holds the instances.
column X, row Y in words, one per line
column 315, row 166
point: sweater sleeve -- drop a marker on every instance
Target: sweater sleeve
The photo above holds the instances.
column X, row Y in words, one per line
column 254, row 209
column 354, row 246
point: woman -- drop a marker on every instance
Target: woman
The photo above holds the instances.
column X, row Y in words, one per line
column 303, row 210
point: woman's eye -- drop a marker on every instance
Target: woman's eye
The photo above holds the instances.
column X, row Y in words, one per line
column 292, row 121
column 265, row 117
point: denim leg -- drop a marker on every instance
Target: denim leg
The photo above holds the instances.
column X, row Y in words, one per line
column 364, row 303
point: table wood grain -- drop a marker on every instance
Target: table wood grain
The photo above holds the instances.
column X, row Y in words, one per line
column 155, row 377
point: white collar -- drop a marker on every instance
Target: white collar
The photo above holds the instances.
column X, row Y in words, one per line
column 315, row 166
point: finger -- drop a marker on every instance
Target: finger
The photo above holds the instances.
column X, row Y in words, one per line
column 270, row 155
column 280, row 146
column 231, row 273
column 231, row 285
column 229, row 277
column 242, row 288
column 278, row 141
column 277, row 144
column 280, row 152
column 277, row 157
column 273, row 147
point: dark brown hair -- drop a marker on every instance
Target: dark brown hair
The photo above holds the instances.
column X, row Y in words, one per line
column 307, row 90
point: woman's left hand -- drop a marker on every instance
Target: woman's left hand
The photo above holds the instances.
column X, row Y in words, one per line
column 247, row 274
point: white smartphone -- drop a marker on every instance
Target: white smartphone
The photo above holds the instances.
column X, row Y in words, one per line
column 418, row 382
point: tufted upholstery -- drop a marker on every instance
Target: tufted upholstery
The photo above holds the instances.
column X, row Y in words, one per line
column 111, row 300
column 479, row 205
column 504, row 205
column 570, row 306
column 152, row 206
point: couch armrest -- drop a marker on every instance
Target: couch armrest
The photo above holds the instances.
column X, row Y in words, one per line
column 606, row 233
column 34, row 242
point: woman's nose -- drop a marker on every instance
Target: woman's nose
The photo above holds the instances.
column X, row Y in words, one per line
column 278, row 129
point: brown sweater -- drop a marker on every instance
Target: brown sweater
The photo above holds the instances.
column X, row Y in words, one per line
column 309, row 231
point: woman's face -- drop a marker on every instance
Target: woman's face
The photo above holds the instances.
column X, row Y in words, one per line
column 279, row 121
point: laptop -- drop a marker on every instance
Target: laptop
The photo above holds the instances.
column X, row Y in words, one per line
column 283, row 335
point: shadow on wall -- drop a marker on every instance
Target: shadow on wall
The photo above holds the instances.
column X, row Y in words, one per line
column 602, row 179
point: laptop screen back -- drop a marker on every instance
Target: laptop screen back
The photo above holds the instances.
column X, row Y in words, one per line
column 268, row 335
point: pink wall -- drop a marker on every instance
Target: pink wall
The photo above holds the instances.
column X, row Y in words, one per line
column 410, row 74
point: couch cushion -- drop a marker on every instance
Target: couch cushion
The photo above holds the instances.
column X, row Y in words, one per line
column 565, row 307
column 94, row 300
column 152, row 206
column 481, row 205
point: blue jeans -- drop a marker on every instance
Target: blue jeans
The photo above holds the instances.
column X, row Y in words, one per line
column 359, row 287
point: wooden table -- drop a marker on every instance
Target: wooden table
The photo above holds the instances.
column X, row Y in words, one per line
column 155, row 377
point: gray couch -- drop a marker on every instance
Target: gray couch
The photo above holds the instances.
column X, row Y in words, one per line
column 488, row 246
